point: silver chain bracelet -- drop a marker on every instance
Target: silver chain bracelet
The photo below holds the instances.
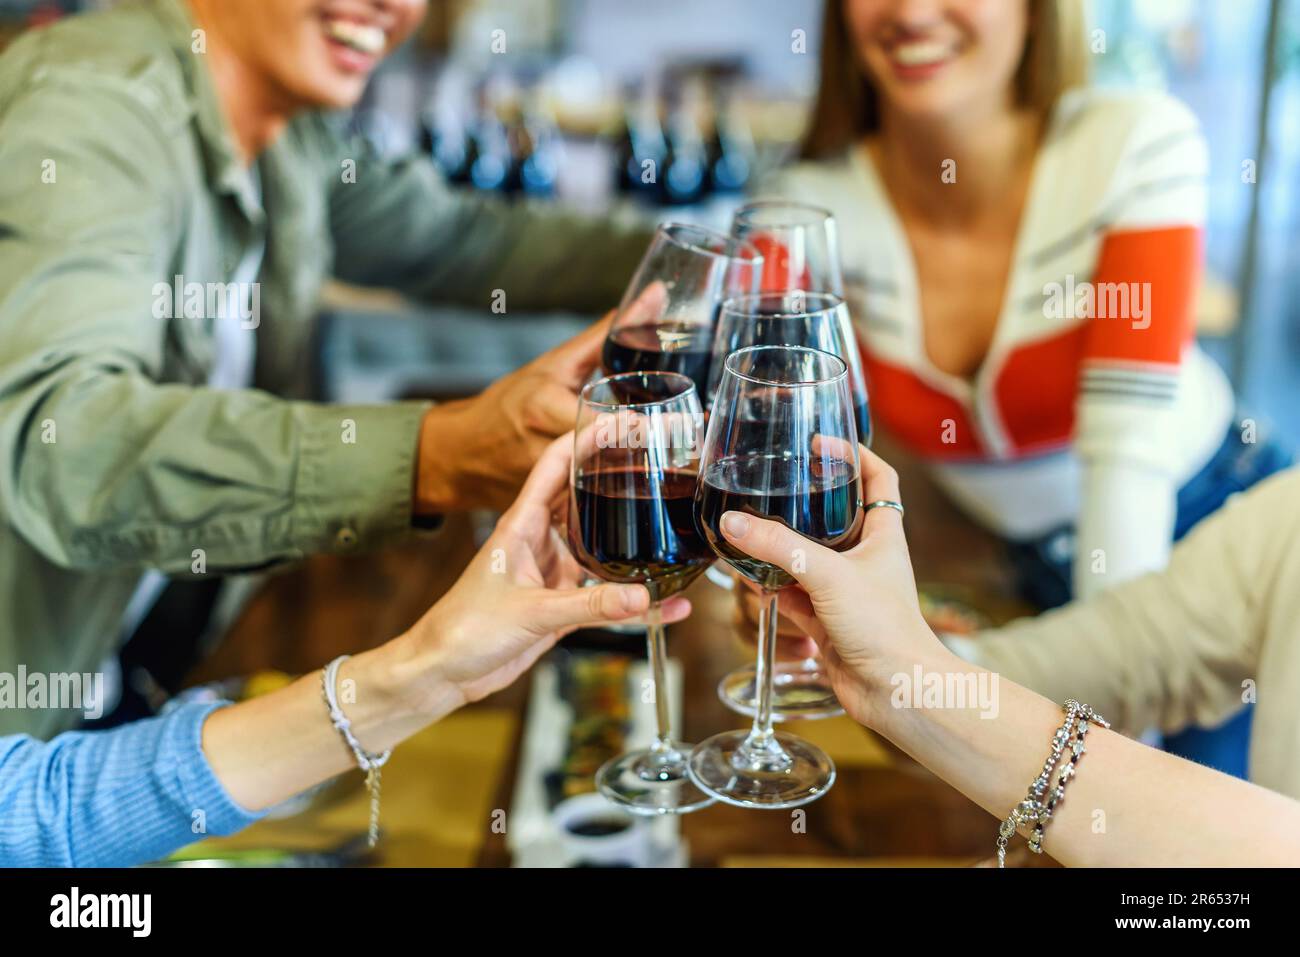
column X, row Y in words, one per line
column 366, row 761
column 1033, row 812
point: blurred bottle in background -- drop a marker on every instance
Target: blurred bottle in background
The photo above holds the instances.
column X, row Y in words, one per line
column 642, row 149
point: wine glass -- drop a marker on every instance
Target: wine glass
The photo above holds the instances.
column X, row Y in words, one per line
column 798, row 243
column 819, row 321
column 666, row 320
column 782, row 444
column 632, row 520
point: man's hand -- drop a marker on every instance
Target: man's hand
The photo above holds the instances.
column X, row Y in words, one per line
column 476, row 453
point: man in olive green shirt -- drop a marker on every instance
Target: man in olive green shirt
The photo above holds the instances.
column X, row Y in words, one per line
column 167, row 145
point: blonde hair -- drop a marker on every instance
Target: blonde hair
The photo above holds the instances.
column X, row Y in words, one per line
column 1055, row 59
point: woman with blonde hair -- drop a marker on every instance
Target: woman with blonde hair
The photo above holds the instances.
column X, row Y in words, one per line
column 1024, row 251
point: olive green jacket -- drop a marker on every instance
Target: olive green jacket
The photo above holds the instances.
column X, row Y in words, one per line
column 118, row 174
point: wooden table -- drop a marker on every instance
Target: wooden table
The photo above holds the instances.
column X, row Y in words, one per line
column 899, row 813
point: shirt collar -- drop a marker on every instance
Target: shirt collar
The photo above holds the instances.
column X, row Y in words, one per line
column 226, row 171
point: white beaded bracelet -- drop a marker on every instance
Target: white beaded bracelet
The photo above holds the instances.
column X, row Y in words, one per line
column 366, row 761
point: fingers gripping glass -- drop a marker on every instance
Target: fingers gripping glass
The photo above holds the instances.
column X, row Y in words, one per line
column 781, row 444
column 631, row 519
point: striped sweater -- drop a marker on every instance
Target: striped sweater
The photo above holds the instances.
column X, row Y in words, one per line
column 1093, row 404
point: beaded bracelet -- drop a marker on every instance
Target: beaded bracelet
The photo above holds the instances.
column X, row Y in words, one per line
column 368, row 762
column 1032, row 811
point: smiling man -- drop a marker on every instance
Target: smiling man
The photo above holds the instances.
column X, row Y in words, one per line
column 168, row 144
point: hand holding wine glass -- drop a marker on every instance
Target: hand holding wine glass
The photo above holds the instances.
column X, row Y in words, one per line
column 792, row 317
column 476, row 452
column 520, row 594
column 782, row 443
column 860, row 650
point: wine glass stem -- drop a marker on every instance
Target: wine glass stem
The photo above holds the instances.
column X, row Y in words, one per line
column 656, row 652
column 761, row 752
column 763, row 677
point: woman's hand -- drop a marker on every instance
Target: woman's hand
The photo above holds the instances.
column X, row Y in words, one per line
column 860, row 606
column 520, row 594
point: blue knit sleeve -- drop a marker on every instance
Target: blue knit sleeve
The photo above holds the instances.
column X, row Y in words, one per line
column 112, row 798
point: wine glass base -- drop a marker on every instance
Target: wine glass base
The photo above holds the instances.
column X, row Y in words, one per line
column 798, row 692
column 651, row 783
column 719, row 767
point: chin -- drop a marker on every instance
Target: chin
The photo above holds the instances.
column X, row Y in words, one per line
column 332, row 93
column 928, row 107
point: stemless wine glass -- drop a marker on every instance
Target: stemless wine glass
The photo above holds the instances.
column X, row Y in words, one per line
column 666, row 320
column 802, row 689
column 781, row 444
column 798, row 243
column 632, row 519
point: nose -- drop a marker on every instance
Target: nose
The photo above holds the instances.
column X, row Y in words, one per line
column 916, row 16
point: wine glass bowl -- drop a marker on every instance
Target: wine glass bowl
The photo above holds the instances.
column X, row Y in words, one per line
column 666, row 320
column 793, row 317
column 799, row 244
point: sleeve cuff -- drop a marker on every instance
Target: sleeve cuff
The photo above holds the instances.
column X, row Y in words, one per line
column 355, row 476
column 182, row 745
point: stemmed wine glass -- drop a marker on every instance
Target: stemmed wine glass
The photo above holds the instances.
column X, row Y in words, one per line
column 666, row 320
column 632, row 520
column 799, row 243
column 790, row 318
column 781, row 443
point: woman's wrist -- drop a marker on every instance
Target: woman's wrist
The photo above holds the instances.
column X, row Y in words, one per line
column 900, row 684
column 399, row 688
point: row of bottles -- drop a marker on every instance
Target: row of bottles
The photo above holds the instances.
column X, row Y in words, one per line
column 513, row 151
column 696, row 149
column 666, row 151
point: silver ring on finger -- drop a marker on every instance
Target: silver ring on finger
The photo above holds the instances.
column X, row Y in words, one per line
column 886, row 503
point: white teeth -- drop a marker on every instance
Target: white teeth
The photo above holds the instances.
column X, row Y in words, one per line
column 361, row 37
column 921, row 52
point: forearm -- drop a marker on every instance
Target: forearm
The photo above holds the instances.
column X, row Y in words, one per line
column 138, row 793
column 1171, row 648
column 112, row 798
column 1129, row 805
column 237, row 479
column 270, row 748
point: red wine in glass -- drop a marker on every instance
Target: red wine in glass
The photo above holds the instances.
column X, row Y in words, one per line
column 639, row 527
column 671, row 346
column 776, row 485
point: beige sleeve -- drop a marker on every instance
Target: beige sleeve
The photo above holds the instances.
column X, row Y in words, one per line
column 1171, row 648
